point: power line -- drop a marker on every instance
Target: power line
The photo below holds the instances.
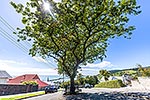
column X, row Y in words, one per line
column 12, row 39
column 50, row 62
column 24, row 50
column 11, row 28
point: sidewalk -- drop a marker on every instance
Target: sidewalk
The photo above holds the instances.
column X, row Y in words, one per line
column 21, row 96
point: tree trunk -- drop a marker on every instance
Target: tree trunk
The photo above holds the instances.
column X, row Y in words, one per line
column 72, row 85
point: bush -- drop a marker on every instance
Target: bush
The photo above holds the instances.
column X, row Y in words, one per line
column 134, row 77
column 67, row 83
column 110, row 84
column 29, row 83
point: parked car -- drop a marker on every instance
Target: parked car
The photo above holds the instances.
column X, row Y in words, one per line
column 127, row 79
column 51, row 89
column 88, row 86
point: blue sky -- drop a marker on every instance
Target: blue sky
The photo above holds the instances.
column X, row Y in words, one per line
column 122, row 53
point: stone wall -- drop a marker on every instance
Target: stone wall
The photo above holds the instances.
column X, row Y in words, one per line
column 9, row 89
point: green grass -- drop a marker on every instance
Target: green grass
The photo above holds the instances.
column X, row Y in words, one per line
column 120, row 73
column 21, row 96
column 110, row 84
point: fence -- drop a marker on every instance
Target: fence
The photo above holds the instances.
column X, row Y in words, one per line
column 9, row 89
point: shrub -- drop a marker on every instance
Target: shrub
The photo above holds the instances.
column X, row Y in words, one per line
column 110, row 84
column 29, row 83
column 67, row 83
column 64, row 84
column 134, row 77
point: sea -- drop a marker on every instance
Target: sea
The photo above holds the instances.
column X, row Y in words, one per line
column 53, row 77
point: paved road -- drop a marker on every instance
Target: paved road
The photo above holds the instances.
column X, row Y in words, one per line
column 127, row 93
column 50, row 96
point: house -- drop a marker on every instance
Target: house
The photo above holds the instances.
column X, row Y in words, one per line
column 28, row 77
column 4, row 76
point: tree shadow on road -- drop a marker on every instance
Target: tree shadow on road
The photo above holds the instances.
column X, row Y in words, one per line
column 109, row 96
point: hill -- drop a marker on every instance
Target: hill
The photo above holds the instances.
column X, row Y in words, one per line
column 128, row 71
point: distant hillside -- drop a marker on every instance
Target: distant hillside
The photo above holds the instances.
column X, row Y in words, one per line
column 129, row 71
column 115, row 71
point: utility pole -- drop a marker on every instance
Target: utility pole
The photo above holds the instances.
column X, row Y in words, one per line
column 63, row 77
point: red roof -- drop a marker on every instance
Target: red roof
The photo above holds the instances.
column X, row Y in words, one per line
column 28, row 77
column 41, row 83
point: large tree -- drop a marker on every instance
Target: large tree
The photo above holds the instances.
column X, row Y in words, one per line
column 74, row 32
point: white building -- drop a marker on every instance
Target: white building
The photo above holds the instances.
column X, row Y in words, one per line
column 4, row 76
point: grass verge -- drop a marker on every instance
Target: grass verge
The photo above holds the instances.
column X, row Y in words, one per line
column 21, row 96
column 110, row 84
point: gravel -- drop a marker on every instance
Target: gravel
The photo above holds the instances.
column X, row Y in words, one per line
column 110, row 96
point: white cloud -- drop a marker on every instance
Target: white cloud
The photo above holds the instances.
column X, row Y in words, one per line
column 100, row 65
column 13, row 69
column 49, row 61
column 93, row 69
column 12, row 62
column 39, row 59
column 39, row 71
column 19, row 71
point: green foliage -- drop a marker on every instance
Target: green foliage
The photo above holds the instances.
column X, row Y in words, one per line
column 80, row 79
column 145, row 72
column 134, row 77
column 22, row 96
column 104, row 73
column 134, row 72
column 110, row 84
column 122, row 72
column 67, row 83
column 29, row 83
column 76, row 32
column 92, row 80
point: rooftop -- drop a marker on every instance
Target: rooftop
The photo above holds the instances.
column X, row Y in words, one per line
column 4, row 74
